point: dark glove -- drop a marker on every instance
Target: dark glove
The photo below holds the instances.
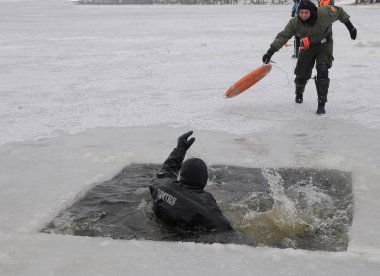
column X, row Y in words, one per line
column 266, row 58
column 183, row 141
column 351, row 29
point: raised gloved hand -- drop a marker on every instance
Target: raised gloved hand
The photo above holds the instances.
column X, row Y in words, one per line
column 351, row 29
column 184, row 141
column 353, row 33
column 266, row 57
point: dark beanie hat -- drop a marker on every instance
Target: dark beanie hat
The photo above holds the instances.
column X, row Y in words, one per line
column 307, row 5
column 194, row 173
column 310, row 6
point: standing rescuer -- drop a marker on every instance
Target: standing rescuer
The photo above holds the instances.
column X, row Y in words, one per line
column 314, row 26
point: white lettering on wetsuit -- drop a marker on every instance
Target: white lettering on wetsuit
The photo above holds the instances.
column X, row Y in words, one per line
column 166, row 197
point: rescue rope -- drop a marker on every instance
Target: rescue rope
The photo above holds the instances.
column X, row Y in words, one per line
column 282, row 70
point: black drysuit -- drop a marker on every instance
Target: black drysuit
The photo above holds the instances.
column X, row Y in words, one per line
column 178, row 204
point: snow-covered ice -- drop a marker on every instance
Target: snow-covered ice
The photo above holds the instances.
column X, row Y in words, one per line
column 85, row 90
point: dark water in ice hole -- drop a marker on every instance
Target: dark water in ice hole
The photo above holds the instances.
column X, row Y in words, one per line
column 278, row 207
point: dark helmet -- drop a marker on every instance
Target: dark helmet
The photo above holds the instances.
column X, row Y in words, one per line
column 194, row 173
column 308, row 5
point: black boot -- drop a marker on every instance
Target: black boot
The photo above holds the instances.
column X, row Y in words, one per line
column 321, row 109
column 322, row 91
column 299, row 97
column 300, row 88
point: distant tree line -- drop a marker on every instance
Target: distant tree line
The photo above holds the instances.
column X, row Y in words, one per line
column 366, row 1
column 179, row 2
column 195, row 2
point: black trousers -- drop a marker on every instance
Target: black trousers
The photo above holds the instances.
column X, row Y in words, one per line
column 307, row 58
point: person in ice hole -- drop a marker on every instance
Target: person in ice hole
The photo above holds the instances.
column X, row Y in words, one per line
column 183, row 202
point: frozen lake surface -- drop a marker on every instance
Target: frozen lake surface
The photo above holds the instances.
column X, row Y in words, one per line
column 87, row 90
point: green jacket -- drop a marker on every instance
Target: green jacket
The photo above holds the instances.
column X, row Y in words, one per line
column 321, row 28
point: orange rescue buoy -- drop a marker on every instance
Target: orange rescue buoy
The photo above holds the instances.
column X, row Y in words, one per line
column 248, row 80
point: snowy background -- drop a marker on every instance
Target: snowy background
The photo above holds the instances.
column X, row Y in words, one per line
column 85, row 90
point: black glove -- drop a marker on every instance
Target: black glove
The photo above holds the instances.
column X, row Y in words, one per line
column 351, row 29
column 266, row 58
column 183, row 141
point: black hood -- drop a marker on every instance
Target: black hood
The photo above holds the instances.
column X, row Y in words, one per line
column 194, row 173
column 308, row 5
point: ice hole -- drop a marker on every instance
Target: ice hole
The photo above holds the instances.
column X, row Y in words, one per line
column 278, row 207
